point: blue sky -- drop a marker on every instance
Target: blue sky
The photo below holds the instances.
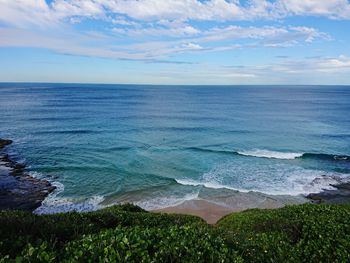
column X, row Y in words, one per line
column 175, row 41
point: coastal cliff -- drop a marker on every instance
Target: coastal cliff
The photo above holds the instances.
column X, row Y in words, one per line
column 18, row 189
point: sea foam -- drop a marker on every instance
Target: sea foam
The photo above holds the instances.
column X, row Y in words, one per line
column 213, row 185
column 163, row 202
column 55, row 204
column 267, row 179
column 271, row 154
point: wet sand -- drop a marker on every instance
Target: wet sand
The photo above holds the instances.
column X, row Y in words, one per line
column 217, row 207
column 210, row 212
column 225, row 202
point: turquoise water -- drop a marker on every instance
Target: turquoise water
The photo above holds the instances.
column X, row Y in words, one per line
column 159, row 145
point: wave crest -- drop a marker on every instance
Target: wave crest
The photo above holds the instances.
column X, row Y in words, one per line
column 271, row 154
column 261, row 153
column 212, row 185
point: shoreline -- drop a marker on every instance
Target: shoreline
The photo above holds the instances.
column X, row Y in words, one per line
column 212, row 212
column 339, row 195
column 18, row 189
column 204, row 209
column 21, row 191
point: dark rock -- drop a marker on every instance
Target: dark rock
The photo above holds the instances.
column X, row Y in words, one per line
column 315, row 198
column 341, row 194
column 18, row 169
column 4, row 142
column 345, row 186
column 19, row 190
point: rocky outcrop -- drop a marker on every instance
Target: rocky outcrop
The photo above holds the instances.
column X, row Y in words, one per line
column 19, row 190
column 340, row 195
column 4, row 142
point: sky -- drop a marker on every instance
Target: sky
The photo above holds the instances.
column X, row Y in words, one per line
column 214, row 42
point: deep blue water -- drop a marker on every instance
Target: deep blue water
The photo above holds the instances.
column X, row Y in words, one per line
column 159, row 145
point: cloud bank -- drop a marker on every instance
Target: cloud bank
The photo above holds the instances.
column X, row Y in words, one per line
column 167, row 31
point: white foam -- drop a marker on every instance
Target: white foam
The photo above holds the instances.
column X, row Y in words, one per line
column 61, row 205
column 39, row 176
column 163, row 202
column 271, row 179
column 314, row 182
column 213, row 185
column 55, row 204
column 271, row 154
column 297, row 185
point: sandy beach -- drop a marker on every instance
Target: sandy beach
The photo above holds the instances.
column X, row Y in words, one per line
column 210, row 212
column 217, row 207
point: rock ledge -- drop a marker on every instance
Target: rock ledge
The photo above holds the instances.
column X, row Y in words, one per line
column 19, row 190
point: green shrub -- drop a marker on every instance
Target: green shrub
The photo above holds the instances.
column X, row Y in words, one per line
column 127, row 233
column 18, row 228
column 139, row 244
column 303, row 233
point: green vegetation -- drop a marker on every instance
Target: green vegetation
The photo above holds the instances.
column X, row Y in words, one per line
column 304, row 233
column 126, row 233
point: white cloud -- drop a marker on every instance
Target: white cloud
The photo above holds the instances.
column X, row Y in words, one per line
column 97, row 44
column 191, row 46
column 324, row 65
column 299, row 68
column 122, row 21
column 84, row 8
column 310, row 33
column 215, row 40
column 335, row 9
column 320, row 70
column 70, row 43
column 156, row 30
column 237, row 32
column 178, row 31
column 25, row 13
column 222, row 10
column 37, row 12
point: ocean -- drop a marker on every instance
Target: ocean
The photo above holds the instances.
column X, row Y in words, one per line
column 157, row 146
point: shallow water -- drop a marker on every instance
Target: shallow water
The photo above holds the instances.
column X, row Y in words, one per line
column 159, row 145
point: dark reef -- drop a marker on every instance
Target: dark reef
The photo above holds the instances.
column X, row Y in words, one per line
column 3, row 143
column 19, row 190
column 340, row 195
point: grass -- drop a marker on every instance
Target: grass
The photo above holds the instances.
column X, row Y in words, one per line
column 127, row 233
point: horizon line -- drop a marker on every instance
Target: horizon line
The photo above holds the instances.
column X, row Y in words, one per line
column 149, row 84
